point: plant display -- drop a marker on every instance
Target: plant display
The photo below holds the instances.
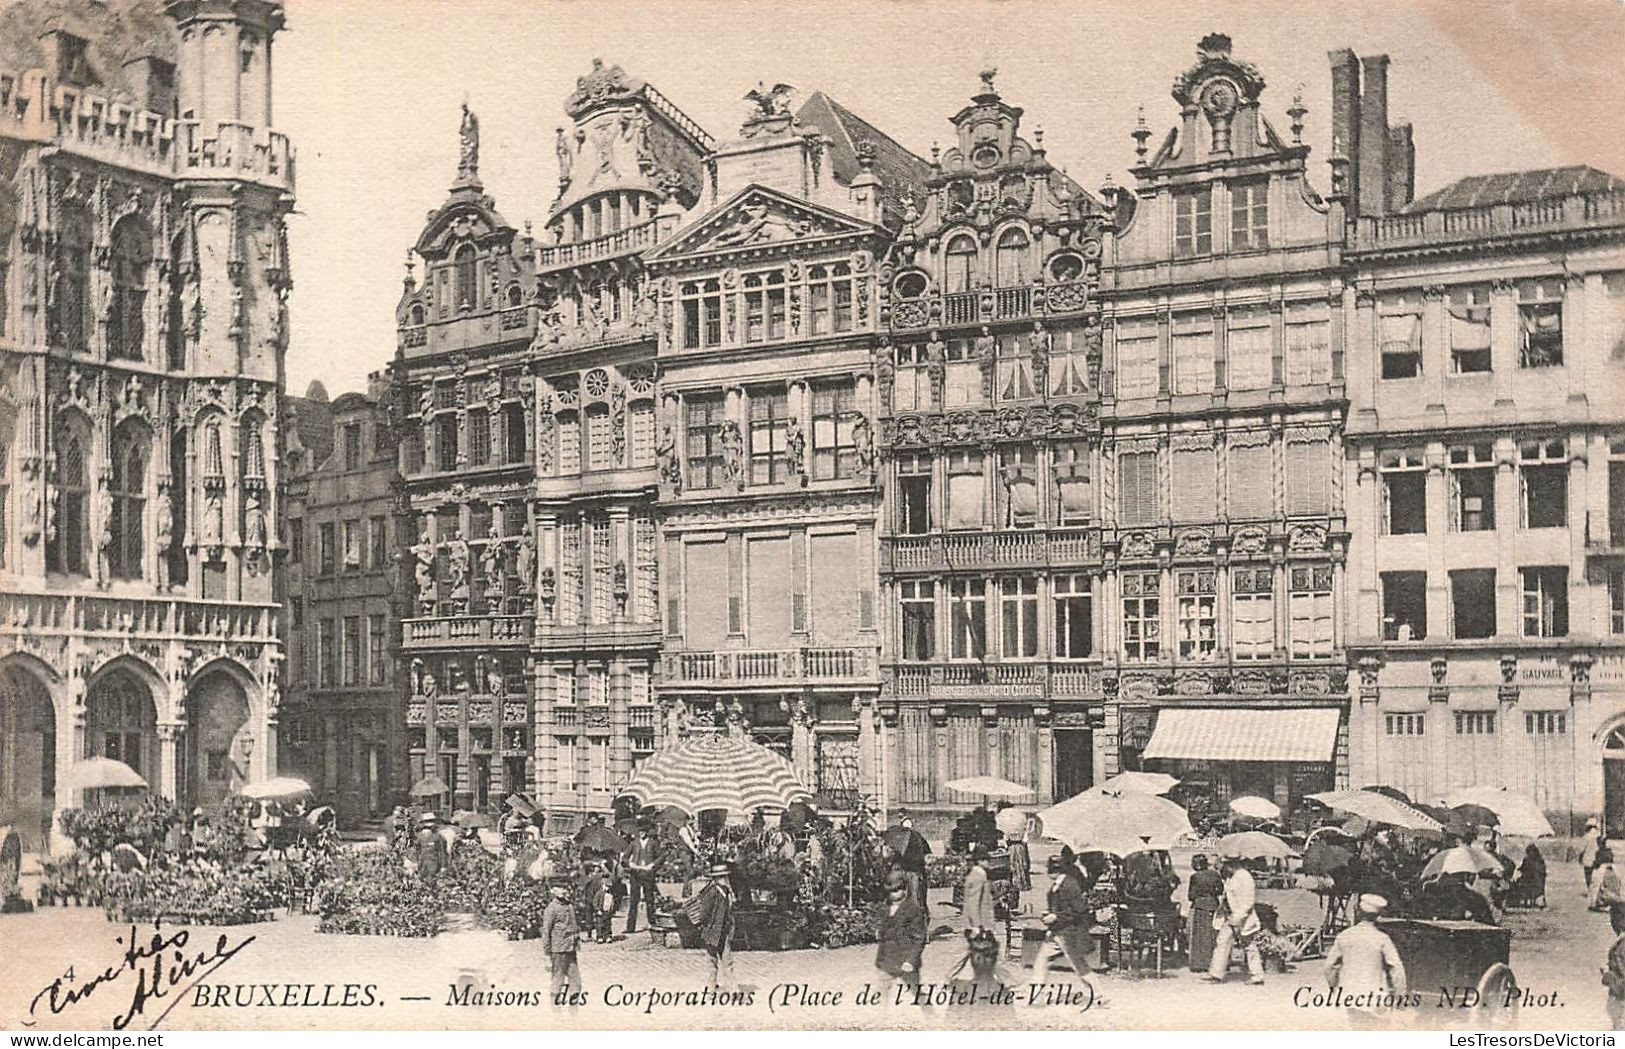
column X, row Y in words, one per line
column 946, row 872
column 371, row 893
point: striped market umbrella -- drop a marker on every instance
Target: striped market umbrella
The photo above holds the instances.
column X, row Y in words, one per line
column 1376, row 807
column 717, row 772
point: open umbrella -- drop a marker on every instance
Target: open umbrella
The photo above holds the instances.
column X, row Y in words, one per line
column 1450, row 821
column 101, row 774
column 520, row 804
column 1103, row 822
column 1476, row 815
column 990, row 787
column 1138, row 783
column 276, row 787
column 1390, row 792
column 908, row 843
column 1460, row 859
column 1255, row 808
column 1255, row 845
column 1376, row 807
column 717, row 772
column 1326, row 858
column 1520, row 816
column 127, row 857
column 600, row 838
column 1011, row 822
column 429, row 787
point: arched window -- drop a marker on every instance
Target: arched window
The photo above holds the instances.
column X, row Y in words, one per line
column 1011, row 262
column 72, row 520
column 126, row 321
column 515, row 296
column 128, row 526
column 612, row 290
column 69, row 290
column 961, row 263
column 414, row 316
column 466, row 282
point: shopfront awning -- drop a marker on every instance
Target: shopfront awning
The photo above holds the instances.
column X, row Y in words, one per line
column 1291, row 734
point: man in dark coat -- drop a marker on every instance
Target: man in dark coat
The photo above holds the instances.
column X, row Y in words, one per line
column 642, row 857
column 561, row 939
column 431, row 848
column 712, row 913
column 901, row 933
column 1067, row 919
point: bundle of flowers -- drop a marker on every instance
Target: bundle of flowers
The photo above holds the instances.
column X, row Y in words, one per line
column 515, row 908
column 835, row 925
column 469, row 879
column 200, row 894
column 943, row 872
column 370, row 893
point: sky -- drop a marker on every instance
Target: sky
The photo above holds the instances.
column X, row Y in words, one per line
column 370, row 90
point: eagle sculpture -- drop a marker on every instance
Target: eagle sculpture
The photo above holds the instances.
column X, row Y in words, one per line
column 770, row 103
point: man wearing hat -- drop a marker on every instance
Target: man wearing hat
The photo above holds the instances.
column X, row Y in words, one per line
column 1237, row 922
column 712, row 912
column 561, row 939
column 1589, row 844
column 901, row 933
column 642, row 857
column 431, row 847
column 1365, row 965
column 1067, row 919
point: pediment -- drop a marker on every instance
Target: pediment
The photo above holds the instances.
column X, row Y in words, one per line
column 464, row 217
column 757, row 217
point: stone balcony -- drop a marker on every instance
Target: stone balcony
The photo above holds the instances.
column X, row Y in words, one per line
column 1437, row 228
column 469, row 631
column 628, row 241
column 45, row 613
column 1091, row 680
column 961, row 308
column 816, row 665
column 1011, row 548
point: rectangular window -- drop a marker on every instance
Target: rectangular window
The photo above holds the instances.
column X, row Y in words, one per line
column 1142, row 615
column 1193, row 353
column 564, row 688
column 966, row 490
column 1248, row 348
column 327, row 548
column 296, row 540
column 1405, row 724
column 704, row 436
column 1309, row 602
column 1018, row 618
column 640, row 424
column 327, row 653
column 352, row 446
column 1472, row 488
column 445, row 440
column 569, row 427
column 1545, row 601
column 702, row 314
column 1475, row 723
column 1400, row 336
column 1468, row 312
column 1252, row 612
column 601, row 453
column 564, row 762
column 1074, row 616
column 352, row 650
column 1308, row 338
column 967, row 619
column 1546, row 723
column 600, row 764
column 962, row 375
column 1251, row 495
column 513, row 433
column 1137, row 488
column 1193, row 222
column 296, row 609
column 377, row 651
column 1195, row 484
column 1540, row 323
column 1472, row 602
column 1404, row 606
column 764, row 306
column 1013, row 374
column 378, row 542
column 1404, row 493
column 1137, row 359
column 1197, row 613
column 1308, row 476
column 913, row 494
column 911, row 384
column 1018, row 478
column 1616, row 601
column 354, row 556
column 479, row 437
column 1249, row 215
column 769, row 429
column 1074, row 494
column 834, row 420
column 1543, row 474
column 917, row 600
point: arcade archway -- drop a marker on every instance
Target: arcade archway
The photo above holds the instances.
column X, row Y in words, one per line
column 27, row 756
column 218, row 739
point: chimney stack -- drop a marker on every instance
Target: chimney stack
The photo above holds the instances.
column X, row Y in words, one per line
column 1401, row 167
column 1373, row 164
column 1371, row 159
column 1345, row 125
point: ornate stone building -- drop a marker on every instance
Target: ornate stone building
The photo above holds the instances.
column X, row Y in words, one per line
column 342, row 714
column 989, row 396
column 629, row 166
column 142, row 334
column 769, row 311
column 1221, row 486
column 463, row 399
column 1486, row 471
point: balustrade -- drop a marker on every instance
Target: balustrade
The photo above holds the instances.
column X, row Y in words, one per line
column 769, row 665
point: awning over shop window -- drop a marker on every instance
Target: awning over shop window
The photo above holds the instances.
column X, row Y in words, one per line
column 1293, row 734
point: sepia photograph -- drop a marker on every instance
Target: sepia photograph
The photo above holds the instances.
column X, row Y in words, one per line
column 922, row 516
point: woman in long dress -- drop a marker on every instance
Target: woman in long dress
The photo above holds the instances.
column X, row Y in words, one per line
column 1205, row 890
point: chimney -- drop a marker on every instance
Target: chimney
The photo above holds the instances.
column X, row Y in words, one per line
column 1401, row 167
column 1371, row 156
column 1345, row 125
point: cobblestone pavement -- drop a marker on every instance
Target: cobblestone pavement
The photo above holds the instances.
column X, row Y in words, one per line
column 1555, row 951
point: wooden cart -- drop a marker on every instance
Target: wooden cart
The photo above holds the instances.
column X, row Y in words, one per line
column 1458, row 968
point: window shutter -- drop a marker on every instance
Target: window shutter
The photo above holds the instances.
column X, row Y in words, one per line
column 1252, row 486
column 1194, row 485
column 1306, row 476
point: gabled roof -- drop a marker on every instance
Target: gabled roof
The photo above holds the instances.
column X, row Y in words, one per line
column 313, row 423
column 899, row 170
column 740, row 220
column 1517, row 187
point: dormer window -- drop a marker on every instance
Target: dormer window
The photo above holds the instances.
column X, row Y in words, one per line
column 72, row 59
column 1193, row 222
column 467, row 286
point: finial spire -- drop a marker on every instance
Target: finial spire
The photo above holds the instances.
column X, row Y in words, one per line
column 1140, row 134
column 1296, row 112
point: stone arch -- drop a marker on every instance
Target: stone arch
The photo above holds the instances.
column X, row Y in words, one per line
column 1610, row 742
column 219, row 733
column 30, row 734
column 122, row 714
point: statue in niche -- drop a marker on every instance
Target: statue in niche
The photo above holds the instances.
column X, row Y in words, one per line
column 423, row 572
column 525, row 560
column 254, row 523
column 458, row 563
column 561, row 146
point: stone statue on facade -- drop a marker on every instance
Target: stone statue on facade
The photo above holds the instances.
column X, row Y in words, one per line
column 524, row 560
column 1041, row 344
column 986, row 349
column 733, row 452
column 863, row 443
column 423, row 573
column 491, row 561
column 671, row 470
column 468, row 155
column 254, row 528
column 104, row 517
column 561, row 146
column 458, row 564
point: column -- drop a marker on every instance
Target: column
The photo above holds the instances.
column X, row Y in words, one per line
column 544, row 777
column 1438, row 534
column 1504, row 341
column 1044, row 769
column 1508, row 513
column 169, row 737
column 1364, row 525
column 620, row 721
column 1435, row 351
column 803, row 715
column 330, row 753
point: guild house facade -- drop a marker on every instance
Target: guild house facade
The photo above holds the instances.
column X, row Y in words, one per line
column 143, row 284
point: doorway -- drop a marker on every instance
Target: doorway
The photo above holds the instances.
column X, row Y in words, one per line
column 1074, row 762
